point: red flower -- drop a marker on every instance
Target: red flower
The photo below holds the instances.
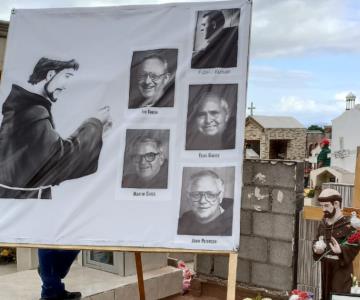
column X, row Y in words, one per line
column 354, row 238
column 302, row 295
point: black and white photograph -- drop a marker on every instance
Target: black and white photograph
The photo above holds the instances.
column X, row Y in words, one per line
column 207, row 197
column 86, row 136
column 216, row 39
column 34, row 156
column 211, row 117
column 152, row 78
column 146, row 159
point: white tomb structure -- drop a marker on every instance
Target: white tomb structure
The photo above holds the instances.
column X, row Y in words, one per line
column 345, row 136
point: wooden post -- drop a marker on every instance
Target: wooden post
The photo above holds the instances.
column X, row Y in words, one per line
column 140, row 276
column 356, row 204
column 231, row 286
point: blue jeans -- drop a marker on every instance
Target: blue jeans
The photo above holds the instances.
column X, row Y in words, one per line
column 54, row 265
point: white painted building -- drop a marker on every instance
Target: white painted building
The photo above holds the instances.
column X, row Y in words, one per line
column 346, row 137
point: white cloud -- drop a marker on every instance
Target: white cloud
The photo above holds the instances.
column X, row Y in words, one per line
column 302, row 26
column 279, row 77
column 341, row 96
column 291, row 104
column 306, row 111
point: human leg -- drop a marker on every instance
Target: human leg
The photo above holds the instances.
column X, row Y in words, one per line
column 54, row 265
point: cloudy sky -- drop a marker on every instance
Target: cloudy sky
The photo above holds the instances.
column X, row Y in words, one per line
column 305, row 54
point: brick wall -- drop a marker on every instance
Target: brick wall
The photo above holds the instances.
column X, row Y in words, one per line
column 297, row 139
column 272, row 196
column 255, row 132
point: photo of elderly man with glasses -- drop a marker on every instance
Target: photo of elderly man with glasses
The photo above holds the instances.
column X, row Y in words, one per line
column 207, row 202
column 152, row 78
column 145, row 159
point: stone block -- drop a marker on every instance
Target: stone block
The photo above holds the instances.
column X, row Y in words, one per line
column 273, row 226
column 170, row 285
column 284, row 201
column 150, row 261
column 274, row 277
column 26, row 259
column 299, row 171
column 129, row 291
column 253, row 248
column 152, row 287
column 247, row 171
column 243, row 271
column 281, row 253
column 221, row 267
column 255, row 198
column 274, row 173
column 204, row 263
column 109, row 295
column 245, row 222
column 186, row 257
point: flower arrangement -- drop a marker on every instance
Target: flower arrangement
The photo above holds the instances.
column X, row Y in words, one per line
column 7, row 255
column 300, row 295
column 187, row 276
column 353, row 239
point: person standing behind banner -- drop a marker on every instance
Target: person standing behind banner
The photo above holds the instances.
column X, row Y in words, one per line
column 34, row 157
column 323, row 159
column 54, row 265
column 330, row 249
column 221, row 44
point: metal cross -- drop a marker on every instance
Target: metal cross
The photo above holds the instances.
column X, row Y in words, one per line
column 252, row 108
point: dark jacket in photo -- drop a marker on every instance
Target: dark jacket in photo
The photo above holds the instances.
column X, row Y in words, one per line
column 160, row 181
column 222, row 52
column 202, row 142
column 221, row 226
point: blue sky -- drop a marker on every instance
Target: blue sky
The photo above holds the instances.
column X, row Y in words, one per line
column 304, row 59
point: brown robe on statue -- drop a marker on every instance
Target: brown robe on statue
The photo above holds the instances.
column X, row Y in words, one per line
column 336, row 269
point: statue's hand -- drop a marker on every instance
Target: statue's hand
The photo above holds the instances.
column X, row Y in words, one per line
column 334, row 245
column 318, row 248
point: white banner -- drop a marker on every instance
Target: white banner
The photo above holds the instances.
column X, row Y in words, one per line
column 124, row 126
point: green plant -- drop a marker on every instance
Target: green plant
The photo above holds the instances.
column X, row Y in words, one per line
column 311, row 193
column 7, row 255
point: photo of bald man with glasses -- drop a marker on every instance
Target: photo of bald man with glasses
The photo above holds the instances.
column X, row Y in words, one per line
column 145, row 159
column 152, row 78
column 207, row 200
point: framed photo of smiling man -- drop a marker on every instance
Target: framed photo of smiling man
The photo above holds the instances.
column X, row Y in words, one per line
column 207, row 197
column 211, row 118
column 146, row 159
column 152, row 78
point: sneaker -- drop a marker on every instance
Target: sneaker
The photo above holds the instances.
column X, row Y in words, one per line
column 65, row 296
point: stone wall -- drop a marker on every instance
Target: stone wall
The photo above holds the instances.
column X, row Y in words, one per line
column 271, row 199
column 296, row 149
column 255, row 132
column 297, row 139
